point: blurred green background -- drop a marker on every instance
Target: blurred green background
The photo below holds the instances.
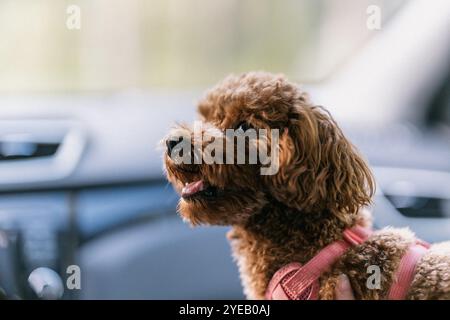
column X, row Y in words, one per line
column 177, row 44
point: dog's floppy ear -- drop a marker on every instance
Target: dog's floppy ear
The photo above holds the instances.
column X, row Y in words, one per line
column 319, row 168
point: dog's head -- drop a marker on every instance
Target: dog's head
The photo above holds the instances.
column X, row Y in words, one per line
column 316, row 167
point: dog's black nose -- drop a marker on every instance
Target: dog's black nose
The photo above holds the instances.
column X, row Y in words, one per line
column 171, row 143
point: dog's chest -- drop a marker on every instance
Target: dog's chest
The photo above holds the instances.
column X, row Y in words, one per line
column 258, row 259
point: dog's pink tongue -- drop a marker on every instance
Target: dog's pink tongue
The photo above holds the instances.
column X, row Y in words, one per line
column 192, row 188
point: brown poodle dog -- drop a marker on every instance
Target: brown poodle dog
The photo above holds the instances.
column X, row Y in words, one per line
column 320, row 189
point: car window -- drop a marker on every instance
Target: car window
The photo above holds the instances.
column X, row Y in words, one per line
column 438, row 112
column 175, row 44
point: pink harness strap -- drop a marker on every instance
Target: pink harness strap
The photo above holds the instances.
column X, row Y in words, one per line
column 404, row 275
column 297, row 282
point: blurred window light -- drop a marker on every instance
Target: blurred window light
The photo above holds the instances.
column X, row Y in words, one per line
column 179, row 44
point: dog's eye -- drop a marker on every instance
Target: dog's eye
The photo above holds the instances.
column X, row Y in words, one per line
column 244, row 126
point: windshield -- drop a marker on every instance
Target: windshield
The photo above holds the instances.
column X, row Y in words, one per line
column 175, row 44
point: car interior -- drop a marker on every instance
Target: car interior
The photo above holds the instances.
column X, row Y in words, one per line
column 82, row 114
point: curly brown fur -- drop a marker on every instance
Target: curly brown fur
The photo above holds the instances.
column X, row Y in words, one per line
column 321, row 189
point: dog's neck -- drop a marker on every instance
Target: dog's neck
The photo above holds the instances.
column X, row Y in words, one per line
column 278, row 235
column 306, row 232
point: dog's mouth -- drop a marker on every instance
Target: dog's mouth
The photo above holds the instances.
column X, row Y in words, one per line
column 195, row 188
column 198, row 189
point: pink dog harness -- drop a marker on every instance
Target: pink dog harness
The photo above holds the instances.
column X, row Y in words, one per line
column 297, row 282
